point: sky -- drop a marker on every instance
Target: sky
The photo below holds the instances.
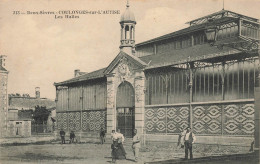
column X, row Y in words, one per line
column 42, row 50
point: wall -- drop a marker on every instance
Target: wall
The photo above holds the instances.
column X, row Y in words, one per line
column 90, row 95
column 13, row 114
column 3, row 102
column 85, row 121
column 222, row 119
column 82, row 107
column 19, row 129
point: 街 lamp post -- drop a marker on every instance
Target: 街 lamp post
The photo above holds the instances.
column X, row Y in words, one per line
column 211, row 34
column 247, row 45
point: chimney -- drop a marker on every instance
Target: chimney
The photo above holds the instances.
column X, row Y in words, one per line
column 37, row 92
column 76, row 72
column 2, row 60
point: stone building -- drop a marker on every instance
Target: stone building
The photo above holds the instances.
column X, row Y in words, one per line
column 3, row 96
column 171, row 82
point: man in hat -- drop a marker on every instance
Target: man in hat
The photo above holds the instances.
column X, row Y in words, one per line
column 189, row 139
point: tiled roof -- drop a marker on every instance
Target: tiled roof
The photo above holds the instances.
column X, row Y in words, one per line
column 198, row 52
column 82, row 73
column 92, row 75
column 29, row 103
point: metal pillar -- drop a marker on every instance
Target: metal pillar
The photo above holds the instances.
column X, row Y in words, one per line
column 191, row 66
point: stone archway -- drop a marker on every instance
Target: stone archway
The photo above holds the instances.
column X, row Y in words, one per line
column 125, row 109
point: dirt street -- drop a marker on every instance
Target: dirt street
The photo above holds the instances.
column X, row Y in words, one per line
column 94, row 153
column 71, row 153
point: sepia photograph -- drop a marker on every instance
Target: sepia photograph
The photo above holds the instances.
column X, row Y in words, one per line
column 129, row 81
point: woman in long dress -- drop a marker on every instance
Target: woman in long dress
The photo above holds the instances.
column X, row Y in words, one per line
column 120, row 151
column 117, row 151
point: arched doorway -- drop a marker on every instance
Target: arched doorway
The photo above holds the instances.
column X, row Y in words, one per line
column 125, row 102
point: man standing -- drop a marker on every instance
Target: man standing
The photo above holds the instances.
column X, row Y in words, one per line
column 136, row 145
column 62, row 135
column 72, row 136
column 189, row 139
column 102, row 136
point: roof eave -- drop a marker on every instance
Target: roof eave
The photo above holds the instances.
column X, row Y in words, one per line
column 209, row 56
column 80, row 80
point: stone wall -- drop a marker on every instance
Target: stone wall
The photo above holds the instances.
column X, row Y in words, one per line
column 3, row 102
column 137, row 79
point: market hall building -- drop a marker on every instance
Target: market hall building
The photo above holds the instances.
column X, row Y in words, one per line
column 171, row 82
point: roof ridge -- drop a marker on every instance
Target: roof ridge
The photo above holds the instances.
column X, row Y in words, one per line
column 220, row 12
column 194, row 27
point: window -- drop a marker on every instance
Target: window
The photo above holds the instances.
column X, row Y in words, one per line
column 207, row 84
column 240, row 79
column 178, row 44
column 210, row 83
column 167, row 88
column 199, row 39
column 186, row 42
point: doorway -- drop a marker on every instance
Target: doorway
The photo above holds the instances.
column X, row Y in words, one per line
column 125, row 110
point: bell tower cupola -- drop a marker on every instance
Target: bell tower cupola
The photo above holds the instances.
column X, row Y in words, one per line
column 127, row 22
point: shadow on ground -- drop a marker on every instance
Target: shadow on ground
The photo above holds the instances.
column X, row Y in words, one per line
column 249, row 158
column 36, row 157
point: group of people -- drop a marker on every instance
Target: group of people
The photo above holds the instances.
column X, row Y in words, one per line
column 118, row 151
column 186, row 139
column 62, row 135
